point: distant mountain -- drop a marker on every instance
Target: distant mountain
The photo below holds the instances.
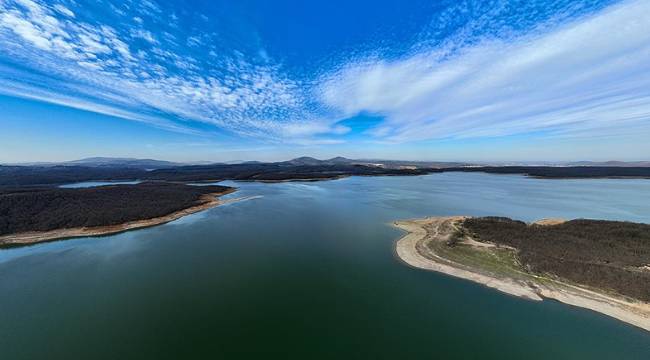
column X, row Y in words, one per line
column 121, row 162
column 310, row 161
column 340, row 160
column 302, row 161
column 150, row 164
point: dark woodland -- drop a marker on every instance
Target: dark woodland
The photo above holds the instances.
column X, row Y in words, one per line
column 56, row 208
column 609, row 255
column 55, row 175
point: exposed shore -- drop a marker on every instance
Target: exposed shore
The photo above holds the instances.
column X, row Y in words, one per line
column 26, row 238
column 415, row 250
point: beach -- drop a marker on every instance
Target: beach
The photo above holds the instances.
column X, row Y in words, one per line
column 413, row 249
column 25, row 238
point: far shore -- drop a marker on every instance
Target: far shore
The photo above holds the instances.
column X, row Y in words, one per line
column 27, row 238
column 412, row 249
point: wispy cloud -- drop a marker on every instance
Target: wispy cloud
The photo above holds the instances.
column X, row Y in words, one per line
column 563, row 70
column 63, row 10
column 586, row 77
column 94, row 63
column 144, row 35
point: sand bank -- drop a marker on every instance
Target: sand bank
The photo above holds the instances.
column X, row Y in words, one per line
column 206, row 201
column 412, row 249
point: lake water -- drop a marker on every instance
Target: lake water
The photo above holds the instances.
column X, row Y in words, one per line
column 87, row 184
column 307, row 271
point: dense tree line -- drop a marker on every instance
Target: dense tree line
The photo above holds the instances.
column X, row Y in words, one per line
column 560, row 171
column 53, row 175
column 271, row 172
column 56, row 208
column 603, row 254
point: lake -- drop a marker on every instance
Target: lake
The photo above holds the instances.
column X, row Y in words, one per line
column 88, row 184
column 307, row 271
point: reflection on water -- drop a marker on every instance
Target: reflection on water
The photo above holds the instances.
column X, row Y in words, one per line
column 307, row 271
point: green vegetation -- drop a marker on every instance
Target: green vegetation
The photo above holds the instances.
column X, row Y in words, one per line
column 608, row 255
column 493, row 261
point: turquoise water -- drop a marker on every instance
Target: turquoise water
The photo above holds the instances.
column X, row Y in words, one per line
column 307, row 271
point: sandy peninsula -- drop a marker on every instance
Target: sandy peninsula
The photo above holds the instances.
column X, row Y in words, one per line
column 206, row 201
column 425, row 246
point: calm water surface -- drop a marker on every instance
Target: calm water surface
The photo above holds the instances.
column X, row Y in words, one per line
column 87, row 184
column 307, row 272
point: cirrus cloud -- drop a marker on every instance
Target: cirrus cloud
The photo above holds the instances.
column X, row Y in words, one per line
column 568, row 71
column 582, row 78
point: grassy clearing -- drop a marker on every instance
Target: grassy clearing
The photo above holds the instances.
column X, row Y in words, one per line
column 494, row 261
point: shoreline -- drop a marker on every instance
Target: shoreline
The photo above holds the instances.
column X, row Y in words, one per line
column 411, row 249
column 34, row 237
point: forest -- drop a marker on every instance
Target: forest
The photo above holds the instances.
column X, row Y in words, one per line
column 16, row 176
column 560, row 172
column 44, row 209
column 608, row 255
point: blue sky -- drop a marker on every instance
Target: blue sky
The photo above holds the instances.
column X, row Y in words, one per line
column 269, row 80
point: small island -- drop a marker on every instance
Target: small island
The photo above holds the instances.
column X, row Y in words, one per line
column 33, row 215
column 599, row 265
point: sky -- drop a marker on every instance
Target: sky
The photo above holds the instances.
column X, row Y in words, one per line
column 494, row 80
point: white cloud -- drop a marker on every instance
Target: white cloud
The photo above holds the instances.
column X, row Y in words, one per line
column 144, row 34
column 20, row 90
column 590, row 77
column 149, row 7
column 92, row 43
column 88, row 65
column 194, row 41
column 582, row 78
column 63, row 10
